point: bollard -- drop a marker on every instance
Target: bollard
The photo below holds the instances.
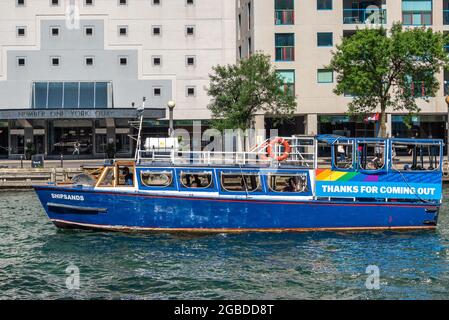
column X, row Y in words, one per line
column 21, row 161
column 62, row 161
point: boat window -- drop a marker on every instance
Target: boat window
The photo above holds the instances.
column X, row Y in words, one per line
column 371, row 155
column 240, row 182
column 125, row 176
column 288, row 183
column 343, row 155
column 196, row 180
column 156, row 179
column 108, row 178
column 415, row 156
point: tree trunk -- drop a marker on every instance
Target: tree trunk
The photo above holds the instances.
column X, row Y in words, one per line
column 383, row 123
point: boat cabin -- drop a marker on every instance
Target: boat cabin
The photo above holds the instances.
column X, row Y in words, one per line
column 303, row 173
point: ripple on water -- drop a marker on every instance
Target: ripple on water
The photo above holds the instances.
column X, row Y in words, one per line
column 34, row 256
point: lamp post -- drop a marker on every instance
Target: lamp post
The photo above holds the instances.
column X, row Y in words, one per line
column 171, row 105
column 447, row 128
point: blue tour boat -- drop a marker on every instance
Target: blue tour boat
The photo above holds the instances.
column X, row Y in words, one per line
column 283, row 185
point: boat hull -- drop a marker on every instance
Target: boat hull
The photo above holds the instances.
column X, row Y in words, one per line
column 131, row 211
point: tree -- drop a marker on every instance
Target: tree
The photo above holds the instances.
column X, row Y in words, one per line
column 389, row 71
column 240, row 91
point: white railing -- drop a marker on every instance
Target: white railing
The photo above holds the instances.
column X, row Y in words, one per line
column 303, row 154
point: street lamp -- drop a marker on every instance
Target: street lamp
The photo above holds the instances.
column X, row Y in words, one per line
column 447, row 128
column 171, row 105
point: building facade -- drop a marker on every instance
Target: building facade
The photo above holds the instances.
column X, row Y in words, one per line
column 73, row 72
column 300, row 36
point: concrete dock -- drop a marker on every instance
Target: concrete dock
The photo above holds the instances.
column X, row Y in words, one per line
column 16, row 174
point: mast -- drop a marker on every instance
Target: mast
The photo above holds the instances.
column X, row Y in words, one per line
column 140, row 112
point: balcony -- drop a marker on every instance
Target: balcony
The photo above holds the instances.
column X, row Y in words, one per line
column 365, row 16
column 284, row 17
column 285, row 53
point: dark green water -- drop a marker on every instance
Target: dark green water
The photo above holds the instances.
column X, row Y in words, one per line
column 34, row 256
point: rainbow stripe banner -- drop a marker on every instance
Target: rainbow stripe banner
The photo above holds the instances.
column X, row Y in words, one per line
column 393, row 185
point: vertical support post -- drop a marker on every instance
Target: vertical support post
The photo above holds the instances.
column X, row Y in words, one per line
column 447, row 129
column 171, row 106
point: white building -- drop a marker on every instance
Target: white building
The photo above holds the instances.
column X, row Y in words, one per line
column 74, row 70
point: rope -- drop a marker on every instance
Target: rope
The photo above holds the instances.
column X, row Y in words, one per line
column 414, row 193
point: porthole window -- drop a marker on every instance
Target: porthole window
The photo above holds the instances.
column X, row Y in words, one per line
column 156, row 179
column 288, row 183
column 197, row 180
column 241, row 182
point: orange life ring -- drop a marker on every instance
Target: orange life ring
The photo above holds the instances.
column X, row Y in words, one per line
column 287, row 149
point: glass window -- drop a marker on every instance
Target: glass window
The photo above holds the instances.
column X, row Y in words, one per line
column 108, row 178
column 236, row 182
column 415, row 156
column 285, row 46
column 101, row 95
column 417, row 12
column 416, row 5
column 285, row 39
column 325, row 39
column 343, row 155
column 40, row 95
column 288, row 183
column 71, row 95
column 284, row 12
column 324, row 4
column 288, row 77
column 122, row 143
column 325, row 76
column 156, row 179
column 371, row 155
column 55, row 94
column 100, row 143
column 197, row 180
column 125, row 176
column 87, row 95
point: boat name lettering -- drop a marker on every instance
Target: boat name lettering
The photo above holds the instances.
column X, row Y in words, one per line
column 396, row 190
column 67, row 196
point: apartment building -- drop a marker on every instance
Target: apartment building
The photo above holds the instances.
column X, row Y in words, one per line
column 74, row 71
column 300, row 36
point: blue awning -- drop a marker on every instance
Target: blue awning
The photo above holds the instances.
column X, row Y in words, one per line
column 330, row 138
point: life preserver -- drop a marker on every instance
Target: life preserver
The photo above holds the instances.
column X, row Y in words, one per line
column 272, row 145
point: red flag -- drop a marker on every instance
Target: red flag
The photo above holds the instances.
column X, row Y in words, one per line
column 373, row 118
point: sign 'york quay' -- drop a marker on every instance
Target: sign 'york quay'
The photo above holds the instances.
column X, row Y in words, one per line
column 79, row 113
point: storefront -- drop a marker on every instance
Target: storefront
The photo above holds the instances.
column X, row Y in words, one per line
column 343, row 125
column 74, row 134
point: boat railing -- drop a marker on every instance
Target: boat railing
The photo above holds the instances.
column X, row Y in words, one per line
column 302, row 154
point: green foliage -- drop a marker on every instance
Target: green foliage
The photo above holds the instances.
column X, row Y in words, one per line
column 377, row 68
column 242, row 90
